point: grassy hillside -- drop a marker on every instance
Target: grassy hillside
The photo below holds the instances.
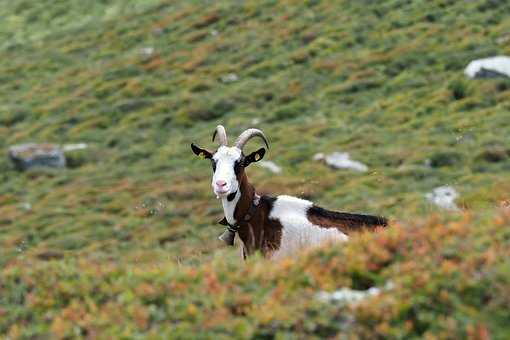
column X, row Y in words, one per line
column 124, row 241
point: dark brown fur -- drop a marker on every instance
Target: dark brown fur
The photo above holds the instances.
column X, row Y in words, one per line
column 260, row 233
column 345, row 222
column 263, row 234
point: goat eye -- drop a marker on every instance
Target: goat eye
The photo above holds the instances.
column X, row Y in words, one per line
column 237, row 166
column 213, row 163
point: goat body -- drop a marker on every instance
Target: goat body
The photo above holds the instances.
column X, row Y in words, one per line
column 283, row 225
column 277, row 226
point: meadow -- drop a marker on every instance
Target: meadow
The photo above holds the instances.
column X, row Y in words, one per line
column 123, row 243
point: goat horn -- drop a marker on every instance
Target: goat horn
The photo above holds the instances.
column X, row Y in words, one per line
column 222, row 135
column 247, row 135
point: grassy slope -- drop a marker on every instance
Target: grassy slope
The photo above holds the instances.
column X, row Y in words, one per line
column 382, row 81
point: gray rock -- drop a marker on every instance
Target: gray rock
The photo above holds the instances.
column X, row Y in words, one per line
column 492, row 67
column 444, row 197
column 340, row 160
column 352, row 296
column 27, row 156
column 271, row 166
column 147, row 51
column 73, row 147
column 347, row 295
column 229, row 78
column 503, row 39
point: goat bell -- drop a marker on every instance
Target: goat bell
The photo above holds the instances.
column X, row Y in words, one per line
column 228, row 237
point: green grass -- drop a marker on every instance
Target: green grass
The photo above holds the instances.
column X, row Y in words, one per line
column 381, row 80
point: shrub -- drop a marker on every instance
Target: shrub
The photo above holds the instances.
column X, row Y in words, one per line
column 458, row 89
column 445, row 158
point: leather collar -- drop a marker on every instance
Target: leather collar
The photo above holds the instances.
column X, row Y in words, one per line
column 229, row 234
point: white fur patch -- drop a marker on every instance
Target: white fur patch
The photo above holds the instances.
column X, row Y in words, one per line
column 298, row 232
column 230, row 207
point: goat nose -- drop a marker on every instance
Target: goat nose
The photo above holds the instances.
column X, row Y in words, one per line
column 221, row 183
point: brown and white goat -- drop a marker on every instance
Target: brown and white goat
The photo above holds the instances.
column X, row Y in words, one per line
column 277, row 226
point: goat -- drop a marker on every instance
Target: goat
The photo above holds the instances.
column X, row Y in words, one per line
column 276, row 226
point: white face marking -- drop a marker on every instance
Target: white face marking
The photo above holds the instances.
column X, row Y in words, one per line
column 298, row 232
column 224, row 180
column 230, row 207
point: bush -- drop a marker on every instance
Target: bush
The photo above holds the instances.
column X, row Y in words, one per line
column 458, row 89
column 446, row 158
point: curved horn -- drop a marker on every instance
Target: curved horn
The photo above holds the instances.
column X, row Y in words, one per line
column 222, row 135
column 247, row 135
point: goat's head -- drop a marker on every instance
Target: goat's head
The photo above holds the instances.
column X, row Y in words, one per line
column 228, row 163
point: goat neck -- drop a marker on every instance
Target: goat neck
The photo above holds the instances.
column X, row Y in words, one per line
column 247, row 193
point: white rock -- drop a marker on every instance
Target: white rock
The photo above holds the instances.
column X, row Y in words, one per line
column 147, row 51
column 229, row 78
column 352, row 296
column 503, row 39
column 26, row 206
column 26, row 156
column 271, row 166
column 341, row 160
column 489, row 67
column 347, row 295
column 318, row 156
column 443, row 197
column 214, row 33
column 72, row 147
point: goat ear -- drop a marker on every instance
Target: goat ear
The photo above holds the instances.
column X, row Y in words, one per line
column 254, row 156
column 202, row 153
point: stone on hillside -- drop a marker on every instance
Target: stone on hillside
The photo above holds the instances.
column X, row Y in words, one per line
column 352, row 296
column 503, row 39
column 25, row 206
column 74, row 147
column 271, row 166
column 229, row 78
column 341, row 160
column 498, row 66
column 347, row 295
column 31, row 155
column 147, row 51
column 444, row 197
